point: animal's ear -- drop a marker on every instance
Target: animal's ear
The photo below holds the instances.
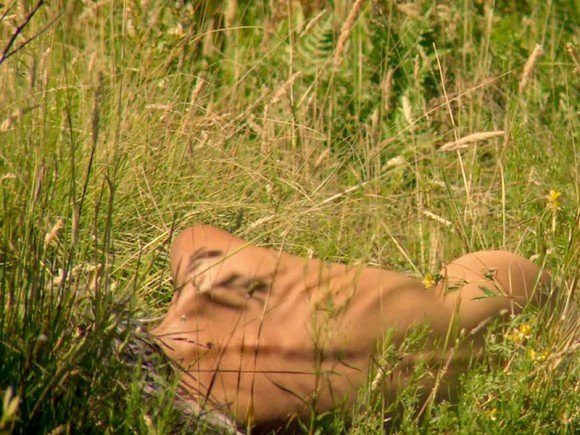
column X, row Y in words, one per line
column 195, row 264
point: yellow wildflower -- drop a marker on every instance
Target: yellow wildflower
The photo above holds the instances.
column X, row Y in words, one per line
column 492, row 414
column 525, row 329
column 517, row 337
column 520, row 334
column 429, row 280
column 541, row 356
column 553, row 199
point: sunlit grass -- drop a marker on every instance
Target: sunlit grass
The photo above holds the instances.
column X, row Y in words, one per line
column 400, row 135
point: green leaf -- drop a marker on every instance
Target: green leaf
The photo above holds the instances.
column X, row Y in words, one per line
column 488, row 293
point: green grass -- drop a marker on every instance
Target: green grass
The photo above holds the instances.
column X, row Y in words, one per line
column 131, row 120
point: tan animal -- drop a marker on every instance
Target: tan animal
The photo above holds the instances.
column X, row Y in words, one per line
column 264, row 335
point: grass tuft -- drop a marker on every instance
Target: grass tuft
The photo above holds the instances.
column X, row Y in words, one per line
column 309, row 126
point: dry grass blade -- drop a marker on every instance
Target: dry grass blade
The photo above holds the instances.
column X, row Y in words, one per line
column 7, row 123
column 437, row 218
column 9, row 176
column 278, row 95
column 14, row 117
column 155, row 106
column 6, row 52
column 395, row 161
column 386, row 88
column 471, row 138
column 346, row 30
column 412, row 10
column 199, row 85
column 529, row 66
column 572, row 52
column 230, row 12
column 52, row 235
column 260, row 221
column 407, row 112
column 323, row 155
column 284, row 88
column 312, row 23
column 431, row 398
column 401, row 249
column 308, row 126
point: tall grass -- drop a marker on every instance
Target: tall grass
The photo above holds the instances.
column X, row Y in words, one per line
column 396, row 134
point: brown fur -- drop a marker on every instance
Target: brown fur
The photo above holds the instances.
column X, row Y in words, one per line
column 266, row 335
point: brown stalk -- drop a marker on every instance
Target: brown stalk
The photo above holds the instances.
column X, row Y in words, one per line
column 7, row 51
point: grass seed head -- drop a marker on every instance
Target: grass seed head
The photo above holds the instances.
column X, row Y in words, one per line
column 345, row 31
column 412, row 10
column 386, row 88
column 469, row 139
column 52, row 235
column 572, row 52
column 407, row 113
column 529, row 66
column 230, row 12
